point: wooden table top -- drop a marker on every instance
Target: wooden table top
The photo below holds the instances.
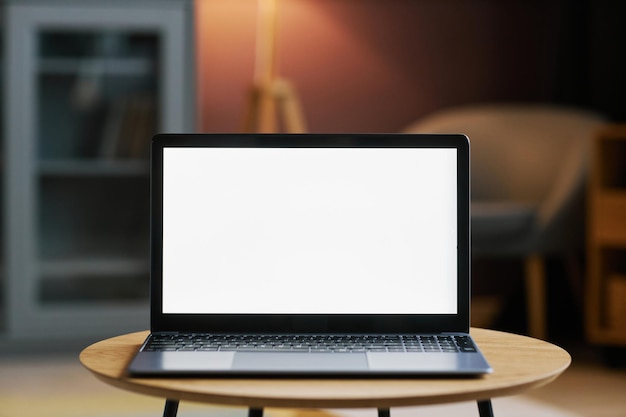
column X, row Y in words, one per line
column 519, row 362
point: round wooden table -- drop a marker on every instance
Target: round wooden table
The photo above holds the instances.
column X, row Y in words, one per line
column 519, row 362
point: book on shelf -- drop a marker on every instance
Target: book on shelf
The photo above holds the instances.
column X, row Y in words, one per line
column 128, row 128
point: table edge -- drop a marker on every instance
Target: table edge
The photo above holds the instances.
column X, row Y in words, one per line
column 130, row 384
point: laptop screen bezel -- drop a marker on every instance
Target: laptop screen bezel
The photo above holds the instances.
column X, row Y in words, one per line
column 305, row 323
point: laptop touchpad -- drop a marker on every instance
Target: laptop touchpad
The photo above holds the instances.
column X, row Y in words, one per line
column 294, row 361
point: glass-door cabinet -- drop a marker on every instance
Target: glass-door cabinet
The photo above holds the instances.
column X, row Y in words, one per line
column 87, row 84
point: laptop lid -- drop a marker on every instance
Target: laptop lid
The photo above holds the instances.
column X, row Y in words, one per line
column 348, row 233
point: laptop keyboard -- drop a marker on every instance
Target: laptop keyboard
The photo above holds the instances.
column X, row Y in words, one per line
column 308, row 343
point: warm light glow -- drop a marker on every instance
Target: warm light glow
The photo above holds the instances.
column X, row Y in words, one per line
column 267, row 25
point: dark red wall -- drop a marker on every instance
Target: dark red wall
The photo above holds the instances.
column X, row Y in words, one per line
column 377, row 65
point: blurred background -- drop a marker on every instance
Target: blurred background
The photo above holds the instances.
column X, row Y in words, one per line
column 87, row 83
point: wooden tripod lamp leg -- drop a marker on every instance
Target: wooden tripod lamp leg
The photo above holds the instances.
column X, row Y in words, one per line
column 271, row 100
column 269, row 105
column 261, row 111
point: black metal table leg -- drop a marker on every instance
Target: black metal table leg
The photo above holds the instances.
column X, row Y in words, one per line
column 255, row 412
column 171, row 408
column 484, row 408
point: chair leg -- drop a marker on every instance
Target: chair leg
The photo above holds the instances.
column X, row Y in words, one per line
column 536, row 296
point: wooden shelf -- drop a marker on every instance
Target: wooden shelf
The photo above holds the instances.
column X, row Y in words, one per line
column 616, row 302
column 606, row 250
column 98, row 66
column 607, row 213
column 94, row 167
column 93, row 267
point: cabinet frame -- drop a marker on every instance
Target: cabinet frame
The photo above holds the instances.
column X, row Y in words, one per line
column 172, row 21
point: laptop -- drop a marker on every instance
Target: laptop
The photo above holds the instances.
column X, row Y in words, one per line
column 309, row 255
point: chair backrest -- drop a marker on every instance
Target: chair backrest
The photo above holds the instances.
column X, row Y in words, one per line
column 519, row 152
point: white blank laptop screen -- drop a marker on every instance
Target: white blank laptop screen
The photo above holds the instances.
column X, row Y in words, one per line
column 309, row 230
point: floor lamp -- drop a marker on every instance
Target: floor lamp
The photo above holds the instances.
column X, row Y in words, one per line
column 272, row 101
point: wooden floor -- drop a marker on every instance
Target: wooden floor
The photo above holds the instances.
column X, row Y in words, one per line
column 57, row 385
column 588, row 387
